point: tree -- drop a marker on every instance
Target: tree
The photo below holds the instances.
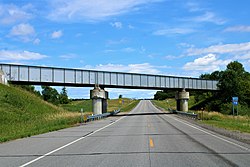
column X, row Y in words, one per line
column 63, row 97
column 162, row 95
column 120, row 96
column 50, row 94
column 234, row 81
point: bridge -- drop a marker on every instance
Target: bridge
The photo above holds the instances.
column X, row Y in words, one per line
column 40, row 75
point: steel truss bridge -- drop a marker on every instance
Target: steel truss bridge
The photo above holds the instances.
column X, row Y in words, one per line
column 40, row 75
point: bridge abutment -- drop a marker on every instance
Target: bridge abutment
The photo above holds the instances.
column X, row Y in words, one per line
column 182, row 100
column 3, row 79
column 99, row 100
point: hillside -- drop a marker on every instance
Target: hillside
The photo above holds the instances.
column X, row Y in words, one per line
column 24, row 114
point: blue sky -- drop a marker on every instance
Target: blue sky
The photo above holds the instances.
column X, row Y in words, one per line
column 170, row 37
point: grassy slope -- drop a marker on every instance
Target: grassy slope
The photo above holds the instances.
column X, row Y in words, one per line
column 76, row 106
column 23, row 114
column 237, row 123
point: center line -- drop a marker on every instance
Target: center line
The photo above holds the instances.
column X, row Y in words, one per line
column 151, row 143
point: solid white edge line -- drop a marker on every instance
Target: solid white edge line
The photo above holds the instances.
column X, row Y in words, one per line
column 195, row 127
column 66, row 145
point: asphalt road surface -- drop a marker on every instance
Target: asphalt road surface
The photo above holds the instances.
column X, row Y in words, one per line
column 145, row 137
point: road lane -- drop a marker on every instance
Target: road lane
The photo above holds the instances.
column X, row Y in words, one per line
column 146, row 137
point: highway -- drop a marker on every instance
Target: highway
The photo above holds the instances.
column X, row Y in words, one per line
column 146, row 137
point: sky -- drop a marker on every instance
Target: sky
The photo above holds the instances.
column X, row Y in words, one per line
column 168, row 37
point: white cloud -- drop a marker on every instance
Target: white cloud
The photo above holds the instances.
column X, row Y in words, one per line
column 128, row 50
column 171, row 57
column 208, row 17
column 36, row 41
column 22, row 30
column 75, row 10
column 169, row 31
column 20, row 55
column 10, row 14
column 57, row 34
column 221, row 49
column 238, row 29
column 117, row 25
column 206, row 63
column 68, row 56
column 116, row 42
column 194, row 7
column 144, row 68
column 130, row 26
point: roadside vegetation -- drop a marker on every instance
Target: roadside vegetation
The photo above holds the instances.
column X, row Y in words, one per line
column 217, row 107
column 229, row 122
column 125, row 104
column 24, row 113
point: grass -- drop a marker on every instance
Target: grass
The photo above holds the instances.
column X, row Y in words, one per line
column 23, row 114
column 235, row 123
column 229, row 122
column 124, row 104
column 165, row 104
column 76, row 106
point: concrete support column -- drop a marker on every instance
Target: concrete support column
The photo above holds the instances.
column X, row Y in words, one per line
column 3, row 79
column 182, row 100
column 99, row 100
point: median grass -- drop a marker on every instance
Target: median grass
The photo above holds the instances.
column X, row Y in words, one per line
column 229, row 122
column 24, row 114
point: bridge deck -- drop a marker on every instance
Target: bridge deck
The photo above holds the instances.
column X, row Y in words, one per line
column 38, row 75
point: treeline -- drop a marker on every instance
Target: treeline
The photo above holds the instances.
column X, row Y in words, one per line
column 49, row 94
column 232, row 82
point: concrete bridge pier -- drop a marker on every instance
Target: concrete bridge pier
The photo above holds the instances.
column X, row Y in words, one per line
column 99, row 100
column 182, row 100
column 3, row 79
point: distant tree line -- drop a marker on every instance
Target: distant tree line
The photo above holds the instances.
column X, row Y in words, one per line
column 232, row 82
column 49, row 94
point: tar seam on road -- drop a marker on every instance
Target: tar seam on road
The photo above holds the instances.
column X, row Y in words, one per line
column 230, row 142
column 64, row 146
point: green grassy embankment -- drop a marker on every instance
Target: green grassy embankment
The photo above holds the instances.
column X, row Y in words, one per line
column 229, row 122
column 165, row 104
column 24, row 114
